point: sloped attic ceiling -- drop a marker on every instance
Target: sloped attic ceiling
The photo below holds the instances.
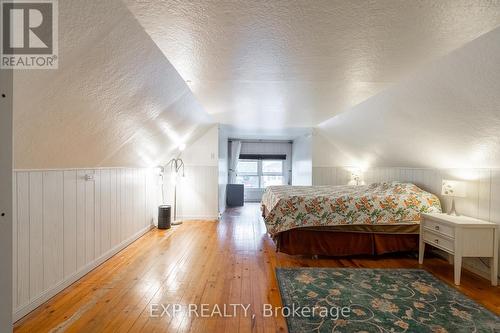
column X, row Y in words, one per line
column 114, row 101
column 446, row 116
column 274, row 64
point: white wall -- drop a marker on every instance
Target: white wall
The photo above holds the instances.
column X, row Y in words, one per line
column 223, row 166
column 302, row 150
column 197, row 192
column 324, row 152
column 6, row 201
column 65, row 225
column 203, row 151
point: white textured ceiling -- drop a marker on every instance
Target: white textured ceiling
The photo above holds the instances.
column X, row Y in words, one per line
column 114, row 101
column 275, row 64
column 118, row 99
column 446, row 115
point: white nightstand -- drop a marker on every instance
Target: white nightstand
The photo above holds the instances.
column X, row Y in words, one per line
column 461, row 236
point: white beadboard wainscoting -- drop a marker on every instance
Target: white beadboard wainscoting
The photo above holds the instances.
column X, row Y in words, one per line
column 197, row 193
column 483, row 191
column 67, row 222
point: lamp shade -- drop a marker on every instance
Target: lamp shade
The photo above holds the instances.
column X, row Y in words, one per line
column 454, row 188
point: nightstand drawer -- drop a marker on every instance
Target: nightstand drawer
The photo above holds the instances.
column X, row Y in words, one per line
column 438, row 240
column 439, row 228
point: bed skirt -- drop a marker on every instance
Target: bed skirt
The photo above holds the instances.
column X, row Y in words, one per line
column 347, row 240
column 339, row 243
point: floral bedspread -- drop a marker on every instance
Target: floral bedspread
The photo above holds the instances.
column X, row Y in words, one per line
column 292, row 207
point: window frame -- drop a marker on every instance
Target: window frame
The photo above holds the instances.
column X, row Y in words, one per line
column 251, row 174
column 260, row 172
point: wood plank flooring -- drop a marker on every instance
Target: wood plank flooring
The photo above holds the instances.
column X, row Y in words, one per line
column 203, row 262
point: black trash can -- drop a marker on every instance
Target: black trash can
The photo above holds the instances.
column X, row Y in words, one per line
column 164, row 217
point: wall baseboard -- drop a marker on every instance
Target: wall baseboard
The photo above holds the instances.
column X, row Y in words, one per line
column 48, row 294
column 200, row 217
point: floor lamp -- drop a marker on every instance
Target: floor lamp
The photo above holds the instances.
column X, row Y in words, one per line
column 161, row 170
column 176, row 165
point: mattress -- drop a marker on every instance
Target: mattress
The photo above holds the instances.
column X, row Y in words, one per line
column 291, row 207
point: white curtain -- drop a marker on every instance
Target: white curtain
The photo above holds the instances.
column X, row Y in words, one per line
column 233, row 160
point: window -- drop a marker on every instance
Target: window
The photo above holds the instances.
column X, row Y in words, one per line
column 248, row 173
column 269, row 166
column 260, row 173
column 272, row 173
column 246, row 166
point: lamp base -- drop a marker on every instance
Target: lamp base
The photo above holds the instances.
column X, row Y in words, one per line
column 176, row 223
column 452, row 211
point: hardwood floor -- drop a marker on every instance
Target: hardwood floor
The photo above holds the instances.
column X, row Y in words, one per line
column 203, row 262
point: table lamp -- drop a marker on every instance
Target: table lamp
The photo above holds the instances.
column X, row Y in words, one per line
column 453, row 189
column 356, row 178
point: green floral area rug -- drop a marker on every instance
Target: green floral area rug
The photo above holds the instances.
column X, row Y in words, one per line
column 377, row 300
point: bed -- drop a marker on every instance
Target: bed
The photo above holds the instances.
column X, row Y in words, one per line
column 346, row 220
